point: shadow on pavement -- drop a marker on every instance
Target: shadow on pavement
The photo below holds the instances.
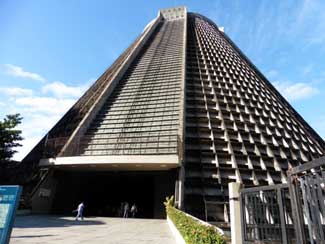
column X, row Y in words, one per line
column 46, row 221
column 30, row 236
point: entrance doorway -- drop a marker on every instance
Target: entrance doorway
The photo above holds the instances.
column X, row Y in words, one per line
column 103, row 192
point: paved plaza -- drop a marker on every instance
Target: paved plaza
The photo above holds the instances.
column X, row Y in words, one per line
column 53, row 229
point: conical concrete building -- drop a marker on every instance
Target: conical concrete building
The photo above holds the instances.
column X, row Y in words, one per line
column 181, row 112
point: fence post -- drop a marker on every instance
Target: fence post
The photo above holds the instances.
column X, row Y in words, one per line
column 297, row 217
column 235, row 217
column 282, row 216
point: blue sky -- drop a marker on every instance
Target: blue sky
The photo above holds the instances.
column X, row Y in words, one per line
column 51, row 51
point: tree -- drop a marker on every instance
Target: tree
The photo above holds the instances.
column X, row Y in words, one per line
column 9, row 136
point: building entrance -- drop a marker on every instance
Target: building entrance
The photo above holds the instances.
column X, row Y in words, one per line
column 104, row 192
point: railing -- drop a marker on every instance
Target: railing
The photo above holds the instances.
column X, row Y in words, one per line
column 53, row 146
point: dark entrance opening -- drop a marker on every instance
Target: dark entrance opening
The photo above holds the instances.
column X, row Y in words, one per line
column 103, row 192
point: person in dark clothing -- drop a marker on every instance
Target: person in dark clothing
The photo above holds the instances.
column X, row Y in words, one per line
column 126, row 210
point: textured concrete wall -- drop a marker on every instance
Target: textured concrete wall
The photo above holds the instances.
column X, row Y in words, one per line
column 43, row 198
column 164, row 186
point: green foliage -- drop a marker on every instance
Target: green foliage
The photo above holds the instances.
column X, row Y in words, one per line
column 169, row 202
column 9, row 136
column 192, row 230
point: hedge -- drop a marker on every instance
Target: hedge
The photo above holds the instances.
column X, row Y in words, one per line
column 192, row 230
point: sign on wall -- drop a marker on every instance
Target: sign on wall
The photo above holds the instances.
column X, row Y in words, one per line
column 9, row 199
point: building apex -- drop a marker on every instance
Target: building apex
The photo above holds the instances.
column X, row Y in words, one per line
column 173, row 13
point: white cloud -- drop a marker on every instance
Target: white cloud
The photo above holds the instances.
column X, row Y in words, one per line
column 48, row 105
column 271, row 74
column 27, row 146
column 34, row 127
column 37, row 121
column 20, row 72
column 295, row 91
column 91, row 81
column 16, row 91
column 40, row 108
column 43, row 122
column 59, row 89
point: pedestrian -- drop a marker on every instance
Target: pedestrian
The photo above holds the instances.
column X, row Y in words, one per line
column 126, row 210
column 80, row 210
column 121, row 210
column 134, row 210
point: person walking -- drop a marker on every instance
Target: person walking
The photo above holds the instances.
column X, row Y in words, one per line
column 121, row 210
column 126, row 210
column 80, row 210
column 134, row 210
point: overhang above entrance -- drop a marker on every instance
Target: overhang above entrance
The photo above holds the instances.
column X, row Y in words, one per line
column 125, row 162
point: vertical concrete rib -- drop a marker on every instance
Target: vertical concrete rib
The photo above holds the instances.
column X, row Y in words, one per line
column 181, row 138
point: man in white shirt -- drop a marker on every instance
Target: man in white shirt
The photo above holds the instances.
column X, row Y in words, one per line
column 80, row 210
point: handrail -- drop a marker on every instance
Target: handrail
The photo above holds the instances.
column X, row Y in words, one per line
column 263, row 188
column 43, row 177
column 307, row 166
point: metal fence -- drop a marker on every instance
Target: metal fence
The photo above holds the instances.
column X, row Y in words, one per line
column 307, row 190
column 266, row 215
column 287, row 213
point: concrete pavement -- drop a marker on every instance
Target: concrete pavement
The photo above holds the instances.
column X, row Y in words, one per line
column 65, row 230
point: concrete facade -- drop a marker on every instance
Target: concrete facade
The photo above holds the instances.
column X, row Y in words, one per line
column 183, row 97
column 238, row 127
column 43, row 197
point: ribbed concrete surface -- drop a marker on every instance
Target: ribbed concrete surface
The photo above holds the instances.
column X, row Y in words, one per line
column 53, row 229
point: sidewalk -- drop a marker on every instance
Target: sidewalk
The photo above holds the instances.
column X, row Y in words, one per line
column 65, row 230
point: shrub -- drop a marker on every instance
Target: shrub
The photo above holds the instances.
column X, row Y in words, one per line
column 192, row 230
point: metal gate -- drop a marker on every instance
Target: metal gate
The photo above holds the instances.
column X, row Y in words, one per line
column 266, row 215
column 287, row 213
column 307, row 190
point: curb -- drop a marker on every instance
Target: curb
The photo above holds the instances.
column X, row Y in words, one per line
column 179, row 238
